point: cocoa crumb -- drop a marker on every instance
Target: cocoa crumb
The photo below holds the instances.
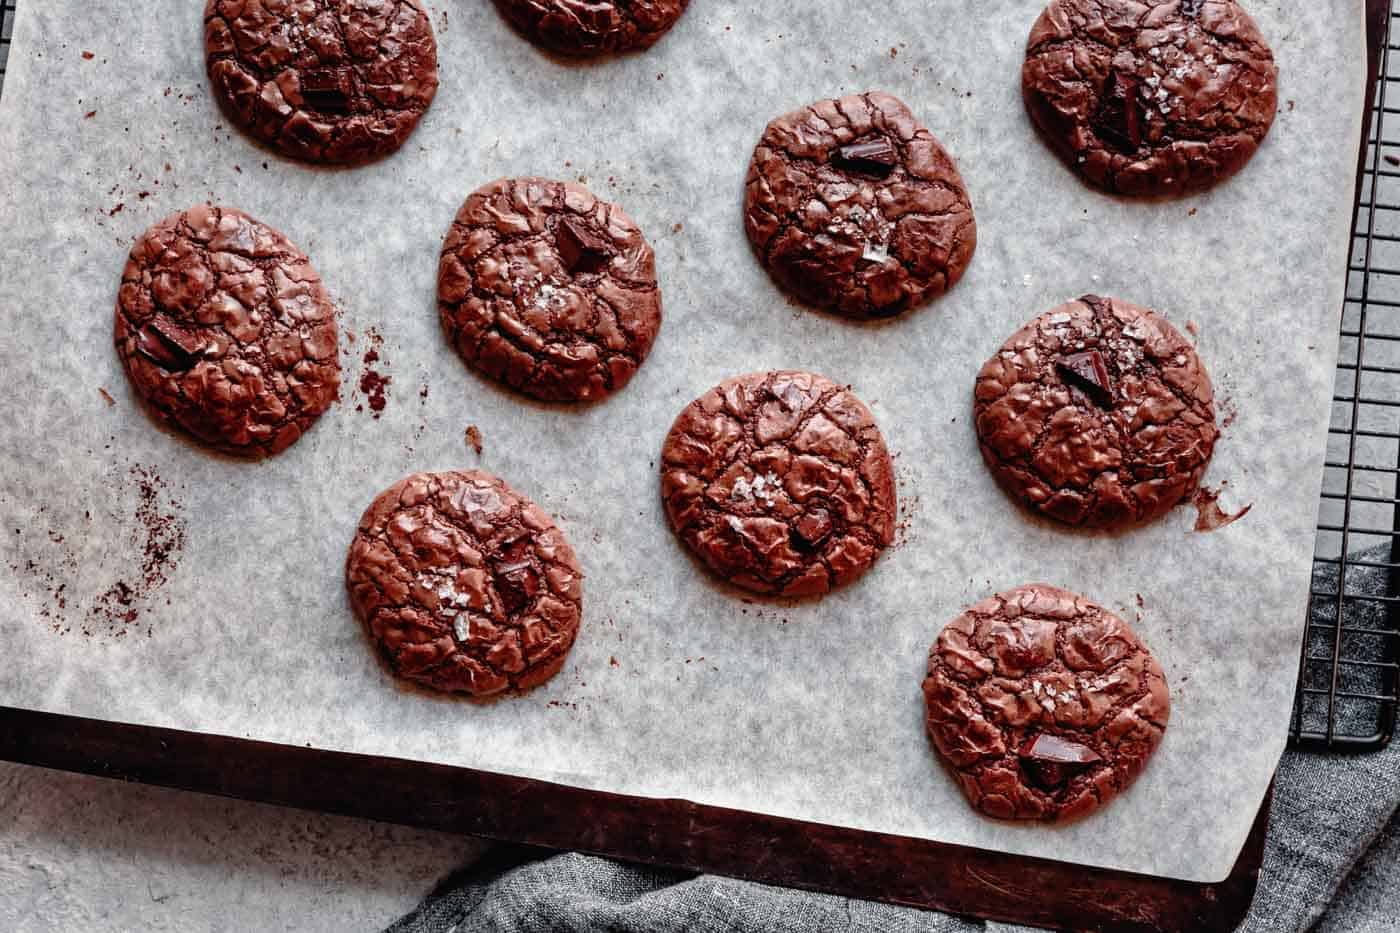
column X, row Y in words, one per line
column 1209, row 515
column 106, row 396
column 473, row 437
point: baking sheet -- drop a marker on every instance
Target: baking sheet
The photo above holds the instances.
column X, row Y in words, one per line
column 146, row 581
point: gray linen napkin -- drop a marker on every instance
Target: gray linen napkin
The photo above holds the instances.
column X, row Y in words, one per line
column 1332, row 864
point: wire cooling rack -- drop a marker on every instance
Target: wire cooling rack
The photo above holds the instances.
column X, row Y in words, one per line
column 1347, row 685
column 7, row 21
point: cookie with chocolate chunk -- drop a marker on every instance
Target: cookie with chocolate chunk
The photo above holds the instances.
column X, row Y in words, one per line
column 1154, row 98
column 322, row 81
column 1043, row 705
column 226, row 332
column 592, row 27
column 548, row 289
column 1097, row 413
column 780, row 482
column 854, row 207
column 464, row 584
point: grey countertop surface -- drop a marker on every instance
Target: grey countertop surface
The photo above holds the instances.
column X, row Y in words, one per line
column 87, row 855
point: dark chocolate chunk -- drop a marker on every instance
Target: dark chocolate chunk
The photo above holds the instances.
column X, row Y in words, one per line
column 329, row 90
column 582, row 250
column 1052, row 760
column 813, row 528
column 1119, row 117
column 876, row 157
column 516, row 580
column 168, row 345
column 1086, row 371
column 1191, row 8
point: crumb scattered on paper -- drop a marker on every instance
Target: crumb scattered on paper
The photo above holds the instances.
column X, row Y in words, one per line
column 1209, row 515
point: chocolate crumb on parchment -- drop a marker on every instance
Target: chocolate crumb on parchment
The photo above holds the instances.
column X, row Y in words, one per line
column 473, row 438
column 1209, row 515
column 373, row 385
column 84, row 579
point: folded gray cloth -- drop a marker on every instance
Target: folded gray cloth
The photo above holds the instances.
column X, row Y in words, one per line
column 1331, row 864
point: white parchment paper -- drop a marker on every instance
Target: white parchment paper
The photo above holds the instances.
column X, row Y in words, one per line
column 676, row 687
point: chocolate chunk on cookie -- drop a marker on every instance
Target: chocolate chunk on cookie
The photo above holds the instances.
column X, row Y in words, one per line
column 465, row 585
column 1097, row 413
column 226, row 331
column 853, row 206
column 780, row 482
column 1042, row 704
column 1150, row 98
column 322, row 80
column 548, row 289
column 592, row 27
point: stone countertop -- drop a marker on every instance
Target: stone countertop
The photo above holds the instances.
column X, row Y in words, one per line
column 83, row 855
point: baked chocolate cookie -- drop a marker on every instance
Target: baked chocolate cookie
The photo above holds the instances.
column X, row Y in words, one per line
column 326, row 81
column 1042, row 704
column 1097, row 413
column 465, row 585
column 548, row 289
column 592, row 27
column 780, row 482
column 226, row 331
column 854, row 207
column 1150, row 97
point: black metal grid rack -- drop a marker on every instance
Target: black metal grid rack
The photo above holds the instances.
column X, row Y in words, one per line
column 7, row 21
column 1348, row 685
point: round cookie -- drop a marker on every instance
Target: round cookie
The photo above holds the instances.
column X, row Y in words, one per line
column 465, row 585
column 1097, row 413
column 1042, row 704
column 548, row 289
column 1150, row 98
column 854, row 207
column 325, row 81
column 592, row 27
column 226, row 331
column 780, row 482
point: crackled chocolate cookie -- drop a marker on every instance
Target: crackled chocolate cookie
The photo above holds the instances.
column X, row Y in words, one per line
column 1042, row 704
column 1150, row 98
column 326, row 81
column 226, row 331
column 780, row 482
column 592, row 27
column 854, row 207
column 465, row 585
column 548, row 289
column 1097, row 413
